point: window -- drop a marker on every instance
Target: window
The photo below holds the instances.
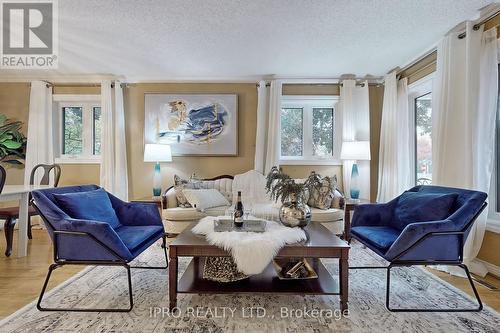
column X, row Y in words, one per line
column 292, row 120
column 96, row 146
column 423, row 141
column 72, row 130
column 493, row 222
column 497, row 150
column 308, row 130
column 78, row 122
column 420, row 102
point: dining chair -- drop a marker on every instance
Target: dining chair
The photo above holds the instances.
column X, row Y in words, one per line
column 11, row 214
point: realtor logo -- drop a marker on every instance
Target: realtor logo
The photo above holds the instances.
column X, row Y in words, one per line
column 29, row 34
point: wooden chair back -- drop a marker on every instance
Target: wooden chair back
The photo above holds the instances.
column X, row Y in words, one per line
column 47, row 168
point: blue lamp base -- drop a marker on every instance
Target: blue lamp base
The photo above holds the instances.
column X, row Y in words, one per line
column 157, row 180
column 354, row 190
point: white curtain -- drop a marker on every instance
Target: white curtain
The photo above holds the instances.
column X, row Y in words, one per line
column 114, row 176
column 464, row 112
column 394, row 175
column 267, row 142
column 355, row 111
column 262, row 120
column 40, row 144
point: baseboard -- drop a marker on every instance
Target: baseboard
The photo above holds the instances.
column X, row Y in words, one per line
column 492, row 269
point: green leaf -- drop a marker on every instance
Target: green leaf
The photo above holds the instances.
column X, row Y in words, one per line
column 12, row 144
column 6, row 136
column 3, row 118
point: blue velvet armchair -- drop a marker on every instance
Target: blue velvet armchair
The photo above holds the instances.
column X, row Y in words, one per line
column 89, row 226
column 426, row 225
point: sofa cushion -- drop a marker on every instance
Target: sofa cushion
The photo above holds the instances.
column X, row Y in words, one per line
column 182, row 214
column 380, row 237
column 205, row 198
column 216, row 211
column 134, row 236
column 90, row 205
column 259, row 210
column 326, row 215
column 223, row 185
column 421, row 207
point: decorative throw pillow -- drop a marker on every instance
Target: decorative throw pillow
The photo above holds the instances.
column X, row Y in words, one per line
column 321, row 190
column 338, row 200
column 421, row 207
column 92, row 205
column 179, row 186
column 205, row 198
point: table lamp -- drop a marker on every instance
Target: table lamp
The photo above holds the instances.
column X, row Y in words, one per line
column 157, row 153
column 355, row 150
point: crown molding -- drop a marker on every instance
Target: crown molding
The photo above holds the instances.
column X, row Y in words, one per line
column 58, row 78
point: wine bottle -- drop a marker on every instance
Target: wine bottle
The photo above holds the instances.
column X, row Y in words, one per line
column 238, row 212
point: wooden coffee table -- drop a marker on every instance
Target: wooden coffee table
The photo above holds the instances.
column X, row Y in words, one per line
column 322, row 243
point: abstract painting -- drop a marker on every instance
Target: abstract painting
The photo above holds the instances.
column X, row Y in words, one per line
column 192, row 124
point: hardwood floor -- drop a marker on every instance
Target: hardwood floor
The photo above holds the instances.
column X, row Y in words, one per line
column 21, row 278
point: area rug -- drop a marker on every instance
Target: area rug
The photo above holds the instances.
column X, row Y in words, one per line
column 105, row 287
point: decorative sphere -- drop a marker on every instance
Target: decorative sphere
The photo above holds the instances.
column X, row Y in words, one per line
column 295, row 214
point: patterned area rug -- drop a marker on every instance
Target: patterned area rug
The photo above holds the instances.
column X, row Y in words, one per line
column 106, row 286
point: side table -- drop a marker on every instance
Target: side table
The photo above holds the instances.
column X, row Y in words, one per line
column 156, row 200
column 349, row 207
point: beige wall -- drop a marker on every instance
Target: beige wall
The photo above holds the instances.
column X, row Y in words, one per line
column 141, row 174
column 489, row 250
column 14, row 103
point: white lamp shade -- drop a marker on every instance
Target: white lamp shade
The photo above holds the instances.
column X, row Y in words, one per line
column 355, row 150
column 157, row 153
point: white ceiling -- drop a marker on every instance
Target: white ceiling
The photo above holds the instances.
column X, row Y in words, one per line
column 210, row 39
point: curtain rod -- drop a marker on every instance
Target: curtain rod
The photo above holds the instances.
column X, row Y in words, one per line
column 76, row 85
column 362, row 84
column 476, row 26
column 416, row 61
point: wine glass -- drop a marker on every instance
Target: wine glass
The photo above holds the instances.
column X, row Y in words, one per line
column 247, row 211
column 229, row 212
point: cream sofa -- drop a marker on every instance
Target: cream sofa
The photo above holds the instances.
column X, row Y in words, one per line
column 176, row 218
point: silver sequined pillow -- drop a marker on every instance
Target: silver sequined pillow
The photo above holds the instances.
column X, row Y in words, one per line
column 322, row 195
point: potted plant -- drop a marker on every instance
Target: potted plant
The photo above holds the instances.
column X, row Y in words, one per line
column 294, row 211
column 12, row 141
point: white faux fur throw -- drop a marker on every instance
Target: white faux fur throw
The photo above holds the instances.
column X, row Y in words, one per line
column 251, row 251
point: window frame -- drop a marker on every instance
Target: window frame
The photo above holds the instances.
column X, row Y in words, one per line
column 308, row 104
column 416, row 89
column 493, row 219
column 87, row 103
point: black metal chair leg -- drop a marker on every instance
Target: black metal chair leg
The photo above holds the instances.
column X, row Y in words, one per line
column 30, row 235
column 52, row 267
column 476, row 294
column 463, row 266
column 8, row 228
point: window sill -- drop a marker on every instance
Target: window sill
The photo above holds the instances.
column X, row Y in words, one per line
column 78, row 160
column 309, row 162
